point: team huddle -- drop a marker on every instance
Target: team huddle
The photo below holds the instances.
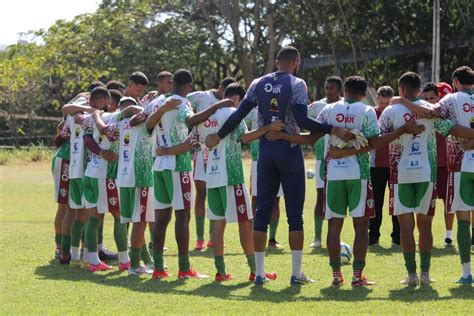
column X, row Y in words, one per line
column 137, row 157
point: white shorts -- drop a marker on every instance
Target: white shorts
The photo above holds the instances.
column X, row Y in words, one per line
column 231, row 203
column 459, row 185
column 253, row 181
column 408, row 198
column 136, row 205
column 199, row 172
column 319, row 174
column 101, row 194
column 172, row 189
column 61, row 180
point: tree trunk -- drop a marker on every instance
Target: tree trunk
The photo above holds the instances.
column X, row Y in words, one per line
column 14, row 130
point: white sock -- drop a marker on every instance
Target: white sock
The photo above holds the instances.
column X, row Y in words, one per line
column 123, row 257
column 260, row 263
column 85, row 255
column 466, row 269
column 75, row 253
column 100, row 247
column 94, row 257
column 296, row 263
column 449, row 234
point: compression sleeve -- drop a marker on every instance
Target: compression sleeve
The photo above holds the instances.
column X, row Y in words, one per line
column 300, row 113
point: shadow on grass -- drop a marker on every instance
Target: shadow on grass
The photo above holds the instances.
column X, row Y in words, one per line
column 412, row 294
column 436, row 252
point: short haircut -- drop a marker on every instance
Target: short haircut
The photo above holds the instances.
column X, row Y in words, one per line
column 115, row 95
column 115, row 85
column 385, row 92
column 464, row 75
column 138, row 77
column 355, row 85
column 431, row 86
column 234, row 89
column 182, row 77
column 227, row 81
column 288, row 53
column 410, row 80
column 335, row 79
column 127, row 101
column 94, row 85
column 99, row 93
column 163, row 75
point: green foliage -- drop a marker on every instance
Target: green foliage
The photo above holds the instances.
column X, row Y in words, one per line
column 25, row 156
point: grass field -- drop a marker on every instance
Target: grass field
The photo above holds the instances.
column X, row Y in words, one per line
column 31, row 282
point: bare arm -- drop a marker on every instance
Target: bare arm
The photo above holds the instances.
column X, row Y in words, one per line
column 155, row 117
column 173, row 151
column 461, row 131
column 382, row 140
column 71, row 109
column 415, row 108
column 99, row 123
column 335, row 153
column 130, row 111
column 204, row 115
column 256, row 134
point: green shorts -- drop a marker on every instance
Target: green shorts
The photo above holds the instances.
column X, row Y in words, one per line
column 231, row 203
column 172, row 189
column 460, row 195
column 418, row 198
column 135, row 205
column 354, row 195
column 101, row 194
column 76, row 198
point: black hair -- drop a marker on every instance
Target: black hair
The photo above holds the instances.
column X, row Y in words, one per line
column 335, row 79
column 94, row 85
column 464, row 75
column 127, row 101
column 182, row 77
column 234, row 89
column 99, row 93
column 163, row 75
column 431, row 86
column 227, row 81
column 115, row 85
column 355, row 85
column 288, row 53
column 138, row 77
column 385, row 92
column 115, row 95
column 410, row 80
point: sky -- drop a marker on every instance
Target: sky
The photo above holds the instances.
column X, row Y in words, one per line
column 23, row 15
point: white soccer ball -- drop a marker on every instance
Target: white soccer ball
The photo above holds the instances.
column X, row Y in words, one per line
column 310, row 173
column 346, row 253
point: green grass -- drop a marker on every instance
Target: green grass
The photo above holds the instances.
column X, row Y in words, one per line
column 25, row 156
column 32, row 283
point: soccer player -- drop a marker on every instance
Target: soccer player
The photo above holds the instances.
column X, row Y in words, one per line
column 380, row 175
column 116, row 85
column 279, row 96
column 200, row 101
column 432, row 93
column 137, row 84
column 172, row 177
column 332, row 90
column 459, row 108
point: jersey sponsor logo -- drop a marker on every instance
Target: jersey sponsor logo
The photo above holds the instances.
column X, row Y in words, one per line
column 467, row 107
column 77, row 131
column 126, row 139
column 185, row 178
column 269, row 88
column 63, row 192
column 415, row 148
column 241, row 208
column 144, row 192
column 187, row 196
column 211, row 123
column 238, row 190
column 101, row 138
column 370, row 203
column 113, row 201
column 75, row 148
column 214, row 168
column 65, row 173
column 111, row 185
column 345, row 118
column 409, row 117
column 126, row 155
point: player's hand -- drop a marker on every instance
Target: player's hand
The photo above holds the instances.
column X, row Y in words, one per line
column 272, row 135
column 334, row 153
column 276, row 126
column 212, row 140
column 150, row 96
column 342, row 133
column 467, row 144
column 411, row 128
column 108, row 155
column 161, row 151
column 170, row 105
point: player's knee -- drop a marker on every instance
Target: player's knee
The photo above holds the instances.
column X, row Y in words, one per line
column 295, row 223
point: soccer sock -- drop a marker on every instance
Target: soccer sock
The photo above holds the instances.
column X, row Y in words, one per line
column 100, row 234
column 296, row 263
column 358, row 266
column 200, row 220
column 425, row 261
column 145, row 255
column 135, row 257
column 464, row 239
column 466, row 269
column 260, row 263
column 91, row 230
column 449, row 234
column 251, row 262
column 273, row 228
column 318, row 227
column 120, row 236
column 123, row 256
column 220, row 264
column 65, row 245
column 93, row 257
column 158, row 260
column 211, row 229
column 472, row 236
column 76, row 230
column 183, row 262
column 410, row 262
column 57, row 239
column 85, row 255
column 335, row 264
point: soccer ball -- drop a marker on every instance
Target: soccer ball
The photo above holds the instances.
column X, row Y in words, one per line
column 310, row 173
column 346, row 253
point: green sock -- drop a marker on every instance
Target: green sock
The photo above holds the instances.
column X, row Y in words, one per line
column 120, row 235
column 464, row 241
column 92, row 227
column 273, row 228
column 200, row 226
column 145, row 255
column 100, row 234
column 425, row 261
column 335, row 265
column 251, row 262
column 472, row 236
column 183, row 262
column 135, row 257
column 57, row 239
column 83, row 233
column 76, row 230
column 220, row 265
column 211, row 229
column 65, row 245
column 158, row 260
column 358, row 265
column 318, row 227
column 410, row 262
